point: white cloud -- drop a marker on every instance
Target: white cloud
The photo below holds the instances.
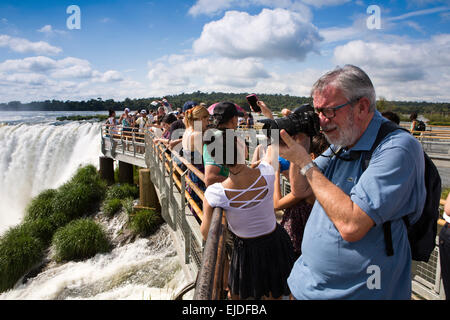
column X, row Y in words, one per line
column 48, row 30
column 209, row 7
column 356, row 31
column 178, row 73
column 404, row 70
column 64, row 68
column 419, row 13
column 24, row 46
column 40, row 78
column 108, row 76
column 274, row 33
column 33, row 79
column 325, row 3
column 214, row 7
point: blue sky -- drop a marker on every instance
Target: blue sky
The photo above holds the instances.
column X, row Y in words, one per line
column 140, row 49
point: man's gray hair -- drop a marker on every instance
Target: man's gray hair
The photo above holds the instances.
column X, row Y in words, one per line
column 353, row 82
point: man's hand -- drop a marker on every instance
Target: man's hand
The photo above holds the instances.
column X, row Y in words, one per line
column 295, row 151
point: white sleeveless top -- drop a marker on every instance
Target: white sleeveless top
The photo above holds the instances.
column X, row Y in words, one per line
column 257, row 220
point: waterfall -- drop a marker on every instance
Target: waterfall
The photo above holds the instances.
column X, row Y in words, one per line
column 35, row 157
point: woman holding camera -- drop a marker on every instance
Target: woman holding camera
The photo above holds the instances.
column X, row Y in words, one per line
column 263, row 256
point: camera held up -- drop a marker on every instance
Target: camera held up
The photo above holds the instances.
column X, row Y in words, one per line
column 302, row 120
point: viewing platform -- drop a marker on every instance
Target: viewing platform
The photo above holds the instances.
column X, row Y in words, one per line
column 164, row 183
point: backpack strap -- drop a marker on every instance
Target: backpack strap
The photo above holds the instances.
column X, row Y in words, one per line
column 385, row 129
column 388, row 238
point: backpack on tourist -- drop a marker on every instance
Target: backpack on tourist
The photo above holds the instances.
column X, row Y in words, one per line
column 420, row 125
column 421, row 234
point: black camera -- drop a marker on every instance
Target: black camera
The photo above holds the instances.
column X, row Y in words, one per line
column 303, row 119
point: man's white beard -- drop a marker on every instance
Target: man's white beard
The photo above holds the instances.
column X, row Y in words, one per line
column 348, row 134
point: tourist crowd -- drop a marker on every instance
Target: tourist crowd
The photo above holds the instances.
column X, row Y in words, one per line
column 326, row 238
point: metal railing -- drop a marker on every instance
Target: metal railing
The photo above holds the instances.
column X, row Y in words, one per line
column 171, row 182
column 426, row 276
column 435, row 140
column 210, row 277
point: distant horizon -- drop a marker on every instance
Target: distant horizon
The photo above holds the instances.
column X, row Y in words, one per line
column 217, row 92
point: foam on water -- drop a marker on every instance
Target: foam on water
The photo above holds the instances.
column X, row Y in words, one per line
column 146, row 269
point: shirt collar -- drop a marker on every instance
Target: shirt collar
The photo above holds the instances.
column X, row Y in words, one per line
column 368, row 138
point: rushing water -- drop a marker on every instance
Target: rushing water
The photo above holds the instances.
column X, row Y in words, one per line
column 37, row 153
column 35, row 157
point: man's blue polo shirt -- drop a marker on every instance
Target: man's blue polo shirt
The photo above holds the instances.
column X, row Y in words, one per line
column 392, row 186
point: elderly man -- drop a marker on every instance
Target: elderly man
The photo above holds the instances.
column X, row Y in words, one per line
column 343, row 249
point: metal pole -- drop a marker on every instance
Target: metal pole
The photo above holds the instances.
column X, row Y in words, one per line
column 205, row 279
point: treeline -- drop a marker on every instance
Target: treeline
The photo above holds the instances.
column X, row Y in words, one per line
column 275, row 101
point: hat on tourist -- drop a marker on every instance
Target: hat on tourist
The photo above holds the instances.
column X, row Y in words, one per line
column 189, row 105
column 126, row 110
column 143, row 111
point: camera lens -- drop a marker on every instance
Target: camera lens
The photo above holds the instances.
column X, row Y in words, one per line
column 302, row 120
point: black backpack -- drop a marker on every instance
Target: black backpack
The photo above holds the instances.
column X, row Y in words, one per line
column 421, row 126
column 422, row 234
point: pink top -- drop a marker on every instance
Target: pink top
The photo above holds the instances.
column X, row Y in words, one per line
column 251, row 218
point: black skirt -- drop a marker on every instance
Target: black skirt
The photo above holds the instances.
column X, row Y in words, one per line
column 260, row 266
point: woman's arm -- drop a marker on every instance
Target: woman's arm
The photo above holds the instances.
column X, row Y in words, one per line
column 173, row 143
column 280, row 202
column 269, row 157
column 447, row 205
column 212, row 175
column 265, row 109
column 206, row 220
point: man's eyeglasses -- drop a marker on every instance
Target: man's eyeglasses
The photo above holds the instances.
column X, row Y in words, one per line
column 330, row 113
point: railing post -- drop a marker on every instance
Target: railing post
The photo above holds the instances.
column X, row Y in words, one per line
column 126, row 173
column 134, row 143
column 171, row 195
column 107, row 169
column 162, row 168
column 185, row 226
column 102, row 140
column 121, row 141
column 147, row 192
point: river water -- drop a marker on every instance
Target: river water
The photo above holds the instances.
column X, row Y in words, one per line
column 37, row 152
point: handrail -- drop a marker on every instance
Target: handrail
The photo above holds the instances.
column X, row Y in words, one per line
column 197, row 172
column 210, row 276
column 189, row 182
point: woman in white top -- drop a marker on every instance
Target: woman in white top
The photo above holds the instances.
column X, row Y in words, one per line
column 111, row 124
column 262, row 256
